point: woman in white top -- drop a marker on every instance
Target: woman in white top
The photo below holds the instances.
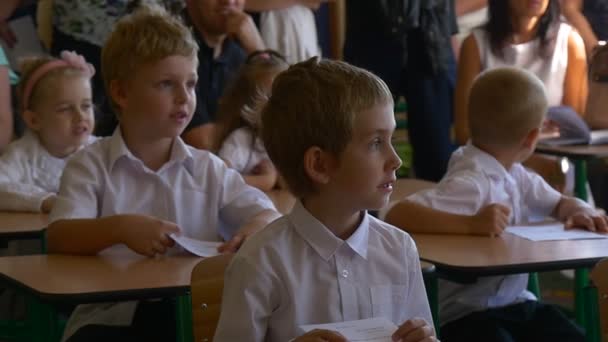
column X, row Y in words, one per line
column 532, row 37
column 56, row 105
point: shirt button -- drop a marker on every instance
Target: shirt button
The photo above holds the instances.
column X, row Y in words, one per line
column 345, row 273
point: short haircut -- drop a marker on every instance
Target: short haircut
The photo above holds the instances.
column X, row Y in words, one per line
column 147, row 35
column 505, row 104
column 314, row 103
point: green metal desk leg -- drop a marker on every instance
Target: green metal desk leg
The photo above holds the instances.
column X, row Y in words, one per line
column 183, row 318
column 580, row 179
column 41, row 321
column 592, row 332
column 581, row 281
column 430, row 282
column 534, row 284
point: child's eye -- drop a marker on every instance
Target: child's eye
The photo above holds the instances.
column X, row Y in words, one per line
column 376, row 143
column 86, row 107
column 191, row 84
column 165, row 84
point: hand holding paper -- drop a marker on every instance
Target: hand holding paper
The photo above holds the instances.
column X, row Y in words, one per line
column 415, row 330
column 197, row 247
column 378, row 329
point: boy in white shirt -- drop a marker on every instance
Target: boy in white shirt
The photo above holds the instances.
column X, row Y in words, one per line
column 327, row 128
column 485, row 189
column 143, row 183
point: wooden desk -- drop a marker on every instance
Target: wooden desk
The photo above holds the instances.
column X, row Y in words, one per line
column 579, row 154
column 469, row 257
column 48, row 280
column 464, row 258
column 15, row 225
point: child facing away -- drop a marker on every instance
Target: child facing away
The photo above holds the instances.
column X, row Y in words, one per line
column 238, row 131
column 327, row 128
column 56, row 105
column 144, row 183
column 485, row 189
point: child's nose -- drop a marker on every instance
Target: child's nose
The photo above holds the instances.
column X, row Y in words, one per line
column 394, row 160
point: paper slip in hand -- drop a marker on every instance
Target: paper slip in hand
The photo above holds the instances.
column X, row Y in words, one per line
column 197, row 247
column 377, row 329
column 554, row 231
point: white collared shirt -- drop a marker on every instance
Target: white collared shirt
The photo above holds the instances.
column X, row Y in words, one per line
column 242, row 151
column 297, row 272
column 474, row 180
column 194, row 189
column 29, row 174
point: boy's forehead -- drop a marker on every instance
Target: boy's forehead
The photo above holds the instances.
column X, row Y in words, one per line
column 377, row 118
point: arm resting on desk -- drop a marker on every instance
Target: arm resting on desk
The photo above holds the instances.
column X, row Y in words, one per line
column 416, row 218
column 578, row 214
column 145, row 235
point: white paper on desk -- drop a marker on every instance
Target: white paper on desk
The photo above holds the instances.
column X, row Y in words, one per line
column 197, row 247
column 377, row 329
column 553, row 231
column 28, row 43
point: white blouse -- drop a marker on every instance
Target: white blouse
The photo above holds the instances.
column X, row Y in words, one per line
column 551, row 70
column 28, row 174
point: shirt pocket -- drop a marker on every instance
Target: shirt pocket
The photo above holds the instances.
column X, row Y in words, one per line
column 389, row 301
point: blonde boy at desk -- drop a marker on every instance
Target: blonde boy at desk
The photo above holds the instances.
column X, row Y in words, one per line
column 143, row 183
column 328, row 128
column 485, row 179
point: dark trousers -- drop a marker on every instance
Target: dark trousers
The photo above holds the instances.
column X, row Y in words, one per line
column 429, row 97
column 105, row 120
column 528, row 321
column 153, row 321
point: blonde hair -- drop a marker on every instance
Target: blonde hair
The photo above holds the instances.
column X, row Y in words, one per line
column 242, row 101
column 314, row 103
column 44, row 85
column 147, row 35
column 505, row 104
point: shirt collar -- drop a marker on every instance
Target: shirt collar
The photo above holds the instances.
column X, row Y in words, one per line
column 480, row 159
column 119, row 150
column 322, row 240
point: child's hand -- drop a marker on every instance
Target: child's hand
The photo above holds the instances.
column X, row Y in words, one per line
column 490, row 220
column 148, row 235
column 240, row 25
column 319, row 335
column 415, row 330
column 48, row 203
column 589, row 219
column 263, row 167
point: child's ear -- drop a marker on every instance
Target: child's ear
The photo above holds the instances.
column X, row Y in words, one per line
column 31, row 119
column 317, row 165
column 118, row 93
column 531, row 138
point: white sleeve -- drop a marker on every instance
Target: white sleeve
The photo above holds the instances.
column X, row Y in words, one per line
column 15, row 195
column 239, row 202
column 457, row 195
column 247, row 303
column 236, row 149
column 540, row 198
column 79, row 189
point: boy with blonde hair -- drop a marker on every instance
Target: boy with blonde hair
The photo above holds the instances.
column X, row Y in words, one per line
column 485, row 189
column 328, row 128
column 143, row 183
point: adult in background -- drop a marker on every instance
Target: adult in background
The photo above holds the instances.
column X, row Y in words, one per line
column 408, row 44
